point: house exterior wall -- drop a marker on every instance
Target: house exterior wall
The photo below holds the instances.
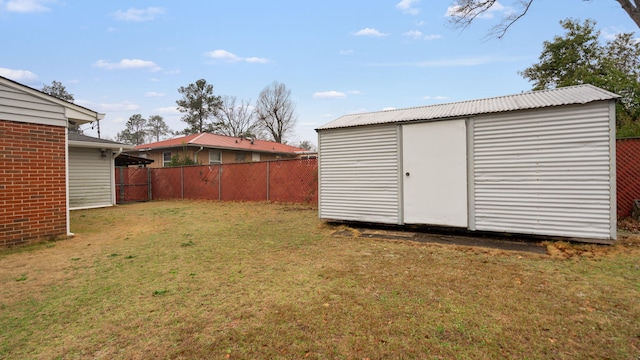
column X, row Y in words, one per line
column 32, row 182
column 18, row 106
column 228, row 156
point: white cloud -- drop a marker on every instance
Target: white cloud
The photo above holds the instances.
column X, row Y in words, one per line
column 127, row 64
column 408, row 6
column 154, row 94
column 488, row 14
column 227, row 56
column 329, row 95
column 370, row 32
column 138, row 15
column 388, row 108
column 354, row 92
column 26, row 6
column 125, row 106
column 438, row 97
column 414, row 34
column 223, row 55
column 169, row 110
column 346, row 52
column 258, row 60
column 18, row 75
column 418, row 35
column 432, row 37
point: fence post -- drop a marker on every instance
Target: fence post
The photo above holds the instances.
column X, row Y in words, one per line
column 121, row 185
column 182, row 182
column 220, row 182
column 268, row 180
column 149, row 190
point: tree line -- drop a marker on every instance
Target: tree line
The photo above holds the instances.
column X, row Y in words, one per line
column 273, row 116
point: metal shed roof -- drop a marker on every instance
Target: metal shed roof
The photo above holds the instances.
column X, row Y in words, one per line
column 570, row 95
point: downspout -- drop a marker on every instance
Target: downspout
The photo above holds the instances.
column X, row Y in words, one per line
column 195, row 155
column 66, row 178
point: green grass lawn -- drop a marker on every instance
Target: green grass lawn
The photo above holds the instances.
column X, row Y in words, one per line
column 214, row 280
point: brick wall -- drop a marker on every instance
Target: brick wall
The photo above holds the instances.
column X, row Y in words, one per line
column 32, row 182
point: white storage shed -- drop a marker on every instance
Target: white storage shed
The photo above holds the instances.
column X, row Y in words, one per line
column 538, row 163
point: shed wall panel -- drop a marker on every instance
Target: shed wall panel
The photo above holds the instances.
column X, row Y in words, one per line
column 90, row 178
column 545, row 172
column 359, row 174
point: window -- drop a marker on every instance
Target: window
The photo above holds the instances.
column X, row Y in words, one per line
column 215, row 157
column 240, row 157
column 166, row 158
column 255, row 157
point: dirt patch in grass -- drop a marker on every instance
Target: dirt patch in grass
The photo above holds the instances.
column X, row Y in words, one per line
column 255, row 280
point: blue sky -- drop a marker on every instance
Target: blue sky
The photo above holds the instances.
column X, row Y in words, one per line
column 337, row 57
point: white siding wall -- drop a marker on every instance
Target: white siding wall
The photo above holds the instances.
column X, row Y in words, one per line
column 90, row 178
column 359, row 174
column 16, row 105
column 544, row 172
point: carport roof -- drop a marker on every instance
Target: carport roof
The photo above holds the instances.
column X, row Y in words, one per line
column 571, row 95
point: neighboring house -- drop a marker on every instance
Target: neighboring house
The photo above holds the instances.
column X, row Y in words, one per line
column 92, row 171
column 34, row 187
column 206, row 148
column 541, row 163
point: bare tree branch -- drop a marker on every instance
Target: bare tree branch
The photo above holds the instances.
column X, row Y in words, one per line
column 632, row 9
column 464, row 12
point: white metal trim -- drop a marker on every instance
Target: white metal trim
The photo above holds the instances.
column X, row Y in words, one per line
column 471, row 199
column 613, row 170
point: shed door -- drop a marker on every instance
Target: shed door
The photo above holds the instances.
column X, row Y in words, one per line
column 90, row 178
column 435, row 173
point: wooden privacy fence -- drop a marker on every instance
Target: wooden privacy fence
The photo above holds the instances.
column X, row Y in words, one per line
column 282, row 181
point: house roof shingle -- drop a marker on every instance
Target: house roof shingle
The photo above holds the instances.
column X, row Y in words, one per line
column 580, row 94
column 216, row 141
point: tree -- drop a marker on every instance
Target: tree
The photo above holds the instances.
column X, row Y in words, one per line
column 275, row 111
column 306, row 144
column 135, row 131
column 464, row 12
column 58, row 90
column 236, row 119
column 199, row 105
column 156, row 127
column 578, row 58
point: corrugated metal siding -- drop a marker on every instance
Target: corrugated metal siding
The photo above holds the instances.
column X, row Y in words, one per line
column 580, row 94
column 359, row 174
column 89, row 178
column 544, row 172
